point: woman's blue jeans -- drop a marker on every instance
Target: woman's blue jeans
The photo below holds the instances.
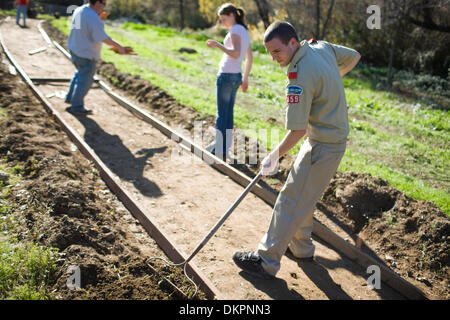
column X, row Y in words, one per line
column 227, row 86
column 21, row 10
column 81, row 82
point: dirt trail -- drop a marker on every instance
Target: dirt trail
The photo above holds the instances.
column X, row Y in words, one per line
column 188, row 197
column 62, row 202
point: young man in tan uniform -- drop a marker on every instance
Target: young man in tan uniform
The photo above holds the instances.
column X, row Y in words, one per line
column 316, row 109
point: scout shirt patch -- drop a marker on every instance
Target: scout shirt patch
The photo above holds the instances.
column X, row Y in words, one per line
column 292, row 75
column 293, row 94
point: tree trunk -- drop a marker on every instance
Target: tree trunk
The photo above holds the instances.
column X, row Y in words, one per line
column 401, row 14
column 181, row 7
column 317, row 19
column 394, row 41
column 325, row 25
column 263, row 10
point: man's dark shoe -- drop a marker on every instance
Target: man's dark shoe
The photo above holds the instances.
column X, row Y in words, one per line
column 79, row 112
column 250, row 262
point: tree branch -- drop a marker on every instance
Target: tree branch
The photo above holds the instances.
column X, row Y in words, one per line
column 430, row 25
column 324, row 27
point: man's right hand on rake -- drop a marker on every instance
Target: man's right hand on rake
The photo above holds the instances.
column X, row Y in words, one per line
column 269, row 165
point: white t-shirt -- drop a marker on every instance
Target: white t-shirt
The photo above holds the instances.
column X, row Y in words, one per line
column 229, row 64
column 87, row 34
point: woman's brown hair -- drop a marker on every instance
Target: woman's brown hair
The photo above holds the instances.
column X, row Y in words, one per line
column 239, row 13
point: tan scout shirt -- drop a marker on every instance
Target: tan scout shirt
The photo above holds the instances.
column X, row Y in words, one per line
column 315, row 94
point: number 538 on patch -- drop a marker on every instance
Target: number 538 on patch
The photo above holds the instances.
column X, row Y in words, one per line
column 292, row 98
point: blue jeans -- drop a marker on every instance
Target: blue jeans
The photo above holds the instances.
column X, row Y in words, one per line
column 81, row 82
column 21, row 10
column 227, row 86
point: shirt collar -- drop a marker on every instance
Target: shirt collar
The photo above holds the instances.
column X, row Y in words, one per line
column 299, row 54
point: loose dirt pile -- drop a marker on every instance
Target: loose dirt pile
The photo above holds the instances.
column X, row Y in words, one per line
column 62, row 202
column 411, row 237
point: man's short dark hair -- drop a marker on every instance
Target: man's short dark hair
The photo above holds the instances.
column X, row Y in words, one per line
column 282, row 30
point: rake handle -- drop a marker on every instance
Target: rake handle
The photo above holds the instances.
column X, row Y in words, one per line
column 224, row 217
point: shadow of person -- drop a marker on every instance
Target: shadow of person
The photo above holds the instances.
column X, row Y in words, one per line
column 360, row 244
column 276, row 288
column 321, row 278
column 385, row 292
column 119, row 158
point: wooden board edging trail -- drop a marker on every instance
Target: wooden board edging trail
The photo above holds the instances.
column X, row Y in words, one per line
column 144, row 218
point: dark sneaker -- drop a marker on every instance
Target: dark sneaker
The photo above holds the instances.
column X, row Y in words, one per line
column 79, row 112
column 250, row 262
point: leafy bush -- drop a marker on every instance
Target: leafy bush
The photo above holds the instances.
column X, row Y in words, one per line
column 426, row 83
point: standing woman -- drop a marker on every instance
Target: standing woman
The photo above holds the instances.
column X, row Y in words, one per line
column 236, row 47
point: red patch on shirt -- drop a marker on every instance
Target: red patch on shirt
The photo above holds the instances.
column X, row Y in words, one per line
column 292, row 98
column 312, row 41
column 292, row 75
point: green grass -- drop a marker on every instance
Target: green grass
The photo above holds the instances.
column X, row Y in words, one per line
column 26, row 269
column 8, row 12
column 399, row 139
column 13, row 13
column 3, row 114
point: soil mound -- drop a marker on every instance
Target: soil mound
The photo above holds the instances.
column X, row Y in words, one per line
column 366, row 198
column 410, row 236
column 62, row 202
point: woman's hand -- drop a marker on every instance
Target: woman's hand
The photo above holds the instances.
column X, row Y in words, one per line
column 244, row 85
column 212, row 43
column 104, row 15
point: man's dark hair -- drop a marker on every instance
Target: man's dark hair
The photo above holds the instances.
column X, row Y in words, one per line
column 282, row 30
column 93, row 2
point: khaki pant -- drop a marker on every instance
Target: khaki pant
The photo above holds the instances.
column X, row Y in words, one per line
column 292, row 218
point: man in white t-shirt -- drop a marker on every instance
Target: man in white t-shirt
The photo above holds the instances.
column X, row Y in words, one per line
column 85, row 44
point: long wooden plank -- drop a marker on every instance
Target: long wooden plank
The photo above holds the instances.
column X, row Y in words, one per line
column 352, row 252
column 144, row 218
column 44, row 34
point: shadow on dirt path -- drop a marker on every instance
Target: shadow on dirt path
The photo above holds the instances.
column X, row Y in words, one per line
column 119, row 158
